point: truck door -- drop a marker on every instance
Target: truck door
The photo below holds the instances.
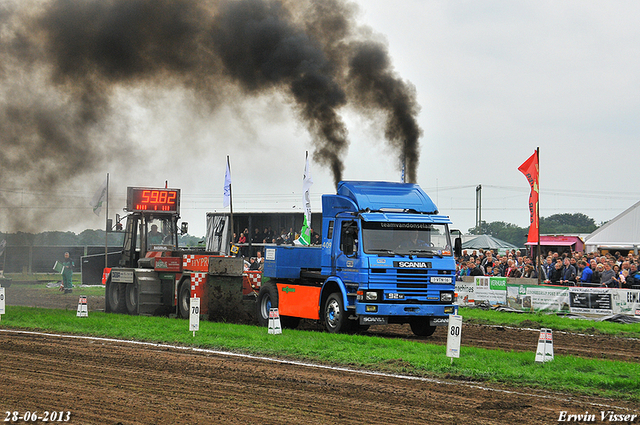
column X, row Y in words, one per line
column 348, row 261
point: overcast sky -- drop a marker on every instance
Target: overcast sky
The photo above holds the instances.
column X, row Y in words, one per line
column 494, row 79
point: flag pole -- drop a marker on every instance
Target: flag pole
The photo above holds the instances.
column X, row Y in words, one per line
column 230, row 202
column 539, row 259
column 106, row 228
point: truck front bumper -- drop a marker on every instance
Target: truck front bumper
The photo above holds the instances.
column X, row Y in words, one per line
column 405, row 310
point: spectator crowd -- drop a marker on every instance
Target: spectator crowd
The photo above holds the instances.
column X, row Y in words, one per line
column 252, row 254
column 566, row 269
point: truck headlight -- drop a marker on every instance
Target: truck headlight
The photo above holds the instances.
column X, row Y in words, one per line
column 367, row 295
column 446, row 297
column 371, row 296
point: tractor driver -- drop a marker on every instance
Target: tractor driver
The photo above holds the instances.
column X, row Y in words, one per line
column 154, row 236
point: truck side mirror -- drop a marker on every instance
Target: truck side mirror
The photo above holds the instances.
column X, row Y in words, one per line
column 109, row 225
column 457, row 247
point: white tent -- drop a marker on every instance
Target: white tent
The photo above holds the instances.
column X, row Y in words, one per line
column 622, row 232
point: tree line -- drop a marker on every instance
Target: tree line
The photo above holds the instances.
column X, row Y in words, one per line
column 88, row 237
column 557, row 224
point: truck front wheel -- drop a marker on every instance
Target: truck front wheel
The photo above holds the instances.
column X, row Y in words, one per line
column 334, row 315
column 420, row 326
column 267, row 299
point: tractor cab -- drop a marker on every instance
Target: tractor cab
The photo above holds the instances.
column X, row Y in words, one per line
column 152, row 224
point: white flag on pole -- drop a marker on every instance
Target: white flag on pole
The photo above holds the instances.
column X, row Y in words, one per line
column 99, row 198
column 305, row 233
column 226, row 201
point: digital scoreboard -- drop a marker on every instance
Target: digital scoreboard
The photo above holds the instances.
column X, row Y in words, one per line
column 151, row 199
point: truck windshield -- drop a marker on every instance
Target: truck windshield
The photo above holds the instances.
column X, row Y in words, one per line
column 406, row 238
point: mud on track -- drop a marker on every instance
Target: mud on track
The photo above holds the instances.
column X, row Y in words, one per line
column 107, row 382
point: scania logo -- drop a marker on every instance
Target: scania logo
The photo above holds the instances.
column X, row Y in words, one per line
column 413, row 264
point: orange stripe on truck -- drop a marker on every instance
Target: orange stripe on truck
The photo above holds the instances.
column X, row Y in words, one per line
column 299, row 301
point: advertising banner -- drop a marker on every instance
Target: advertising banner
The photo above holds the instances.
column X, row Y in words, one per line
column 591, row 300
column 483, row 289
column 626, row 301
column 485, row 292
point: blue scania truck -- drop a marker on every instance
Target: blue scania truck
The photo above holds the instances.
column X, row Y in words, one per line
column 386, row 257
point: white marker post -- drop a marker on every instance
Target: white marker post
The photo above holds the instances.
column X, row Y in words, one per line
column 274, row 322
column 544, row 352
column 82, row 307
column 453, row 336
column 1, row 302
column 194, row 316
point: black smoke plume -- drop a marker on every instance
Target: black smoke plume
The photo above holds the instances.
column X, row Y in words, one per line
column 62, row 63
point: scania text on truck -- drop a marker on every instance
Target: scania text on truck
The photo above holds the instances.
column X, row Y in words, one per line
column 386, row 257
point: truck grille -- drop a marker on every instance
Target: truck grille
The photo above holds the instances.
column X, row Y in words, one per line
column 413, row 284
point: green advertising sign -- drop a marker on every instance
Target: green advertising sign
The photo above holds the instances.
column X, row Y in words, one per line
column 498, row 283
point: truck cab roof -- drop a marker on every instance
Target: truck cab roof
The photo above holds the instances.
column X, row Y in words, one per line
column 360, row 196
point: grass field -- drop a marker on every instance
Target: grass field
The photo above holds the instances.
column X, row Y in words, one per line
column 39, row 281
column 566, row 373
column 555, row 322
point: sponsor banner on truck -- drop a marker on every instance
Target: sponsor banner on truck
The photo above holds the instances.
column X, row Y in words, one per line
column 168, row 264
column 196, row 263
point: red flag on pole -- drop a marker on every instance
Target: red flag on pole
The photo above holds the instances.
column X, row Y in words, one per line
column 530, row 170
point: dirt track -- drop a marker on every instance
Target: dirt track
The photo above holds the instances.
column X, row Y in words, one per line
column 107, row 382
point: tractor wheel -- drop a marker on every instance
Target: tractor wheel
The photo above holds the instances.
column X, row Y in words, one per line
column 335, row 316
column 267, row 299
column 420, row 326
column 115, row 297
column 184, row 297
column 131, row 297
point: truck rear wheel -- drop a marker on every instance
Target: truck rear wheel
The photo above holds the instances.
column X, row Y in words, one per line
column 334, row 316
column 184, row 297
column 420, row 326
column 267, row 299
column 115, row 297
